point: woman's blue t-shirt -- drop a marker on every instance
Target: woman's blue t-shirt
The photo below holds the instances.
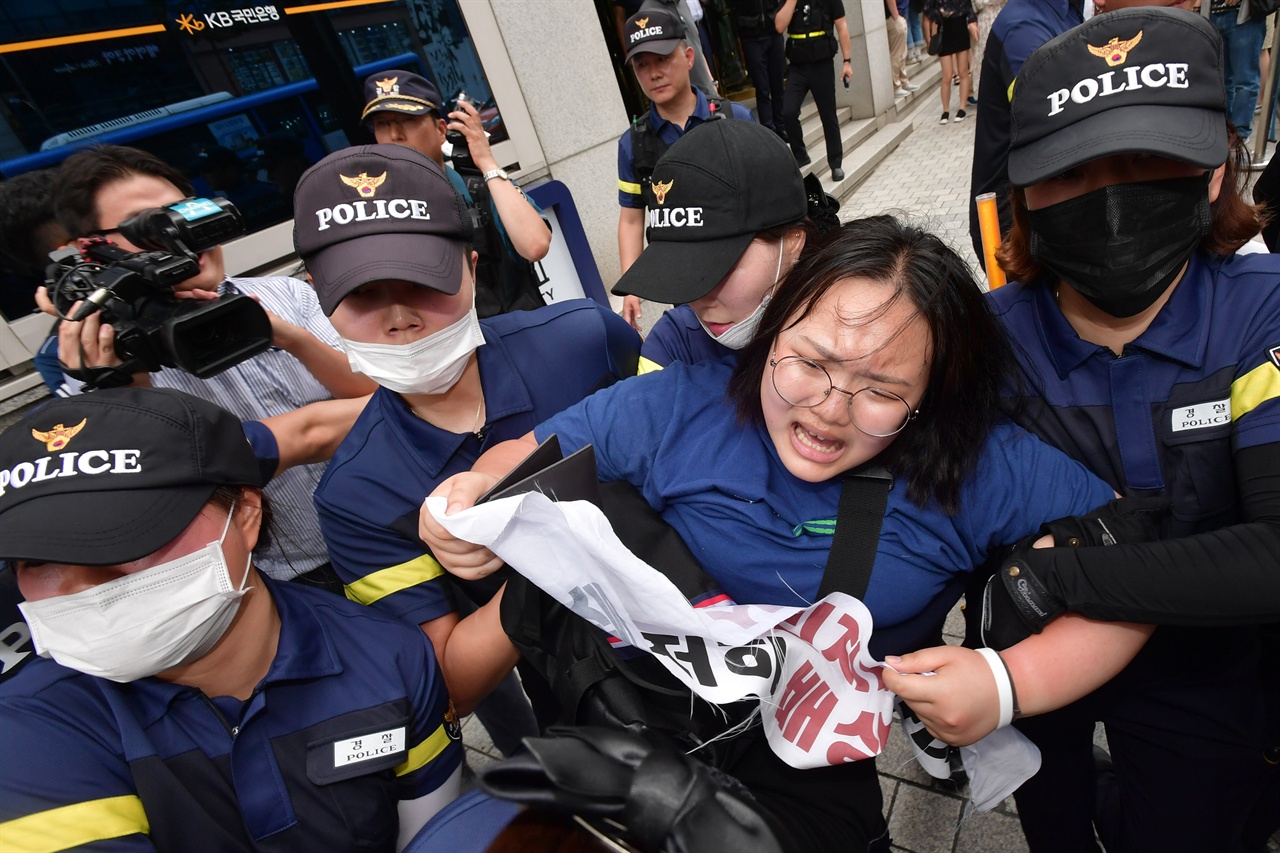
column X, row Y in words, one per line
column 764, row 534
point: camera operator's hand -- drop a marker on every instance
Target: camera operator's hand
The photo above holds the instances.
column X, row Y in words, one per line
column 465, row 119
column 529, row 234
column 91, row 343
column 44, row 303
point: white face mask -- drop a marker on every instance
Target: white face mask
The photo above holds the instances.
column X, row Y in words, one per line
column 144, row 623
column 740, row 333
column 428, row 366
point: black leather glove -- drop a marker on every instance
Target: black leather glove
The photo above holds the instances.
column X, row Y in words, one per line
column 1016, row 602
column 658, row 798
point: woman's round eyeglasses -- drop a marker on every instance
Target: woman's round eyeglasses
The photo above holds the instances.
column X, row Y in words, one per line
column 874, row 411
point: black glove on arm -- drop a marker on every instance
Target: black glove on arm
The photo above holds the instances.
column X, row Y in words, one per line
column 663, row 800
column 1017, row 603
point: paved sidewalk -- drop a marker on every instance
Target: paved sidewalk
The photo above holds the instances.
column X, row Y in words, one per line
column 926, row 178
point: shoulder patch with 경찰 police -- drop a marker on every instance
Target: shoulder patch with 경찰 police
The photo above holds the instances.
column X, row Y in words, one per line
column 452, row 727
column 1274, row 352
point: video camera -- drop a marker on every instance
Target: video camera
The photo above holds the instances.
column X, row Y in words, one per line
column 134, row 291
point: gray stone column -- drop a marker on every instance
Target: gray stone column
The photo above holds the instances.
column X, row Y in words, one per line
column 558, row 53
column 871, row 90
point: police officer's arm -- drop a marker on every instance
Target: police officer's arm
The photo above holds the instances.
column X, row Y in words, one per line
column 1224, row 577
column 313, row 432
column 528, row 232
column 842, row 37
column 474, row 653
column 782, row 19
column 630, row 236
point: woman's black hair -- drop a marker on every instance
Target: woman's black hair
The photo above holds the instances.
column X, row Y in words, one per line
column 971, row 359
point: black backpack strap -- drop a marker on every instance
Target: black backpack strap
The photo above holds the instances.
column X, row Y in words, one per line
column 646, row 148
column 863, row 497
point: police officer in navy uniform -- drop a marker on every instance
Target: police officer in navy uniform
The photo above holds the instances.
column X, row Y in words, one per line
column 404, row 108
column 814, row 28
column 733, row 222
column 661, row 57
column 1148, row 354
column 182, row 700
column 385, row 238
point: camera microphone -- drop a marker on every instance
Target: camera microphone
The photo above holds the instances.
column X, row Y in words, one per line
column 93, row 303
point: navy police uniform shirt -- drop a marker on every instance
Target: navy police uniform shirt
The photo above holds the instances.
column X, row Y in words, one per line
column 352, row 717
column 1020, row 28
column 1166, row 416
column 533, row 364
column 678, row 336
column 764, row 535
column 630, row 193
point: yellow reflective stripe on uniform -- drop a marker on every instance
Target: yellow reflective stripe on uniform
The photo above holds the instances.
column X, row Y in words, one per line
column 1012, row 83
column 1253, row 389
column 384, row 582
column 647, row 366
column 807, row 35
column 628, row 187
column 75, row 825
column 422, row 754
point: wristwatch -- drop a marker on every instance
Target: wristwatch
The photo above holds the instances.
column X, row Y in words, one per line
column 496, row 173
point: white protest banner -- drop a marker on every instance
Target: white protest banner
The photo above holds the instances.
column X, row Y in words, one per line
column 822, row 700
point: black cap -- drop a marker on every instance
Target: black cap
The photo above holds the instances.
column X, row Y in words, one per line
column 1146, row 80
column 400, row 92
column 652, row 31
column 377, row 212
column 108, row 477
column 717, row 187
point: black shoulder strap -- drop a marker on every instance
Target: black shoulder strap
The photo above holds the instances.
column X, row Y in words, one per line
column 863, row 497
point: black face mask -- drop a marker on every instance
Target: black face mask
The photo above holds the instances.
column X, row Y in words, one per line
column 1122, row 246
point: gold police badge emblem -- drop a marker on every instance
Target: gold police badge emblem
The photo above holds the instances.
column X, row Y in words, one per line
column 641, row 23
column 389, row 86
column 660, row 190
column 366, row 186
column 57, row 438
column 1115, row 52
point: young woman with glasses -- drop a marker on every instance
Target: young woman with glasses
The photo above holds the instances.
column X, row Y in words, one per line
column 877, row 348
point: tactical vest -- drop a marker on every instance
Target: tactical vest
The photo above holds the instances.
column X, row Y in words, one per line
column 809, row 36
column 647, row 147
column 504, row 281
column 755, row 17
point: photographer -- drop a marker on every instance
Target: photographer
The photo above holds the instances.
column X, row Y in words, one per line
column 99, row 188
column 191, row 704
column 405, row 109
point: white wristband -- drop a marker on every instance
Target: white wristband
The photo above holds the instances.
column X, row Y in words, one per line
column 1004, row 685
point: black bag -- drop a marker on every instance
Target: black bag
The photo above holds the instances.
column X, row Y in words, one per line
column 935, row 43
column 595, row 686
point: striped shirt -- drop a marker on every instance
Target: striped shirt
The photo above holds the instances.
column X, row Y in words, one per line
column 271, row 383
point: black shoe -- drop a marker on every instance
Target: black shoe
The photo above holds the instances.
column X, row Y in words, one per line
column 803, row 161
column 960, row 114
column 837, row 174
column 946, row 117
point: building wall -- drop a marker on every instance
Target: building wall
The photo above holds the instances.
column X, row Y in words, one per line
column 562, row 66
column 557, row 52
